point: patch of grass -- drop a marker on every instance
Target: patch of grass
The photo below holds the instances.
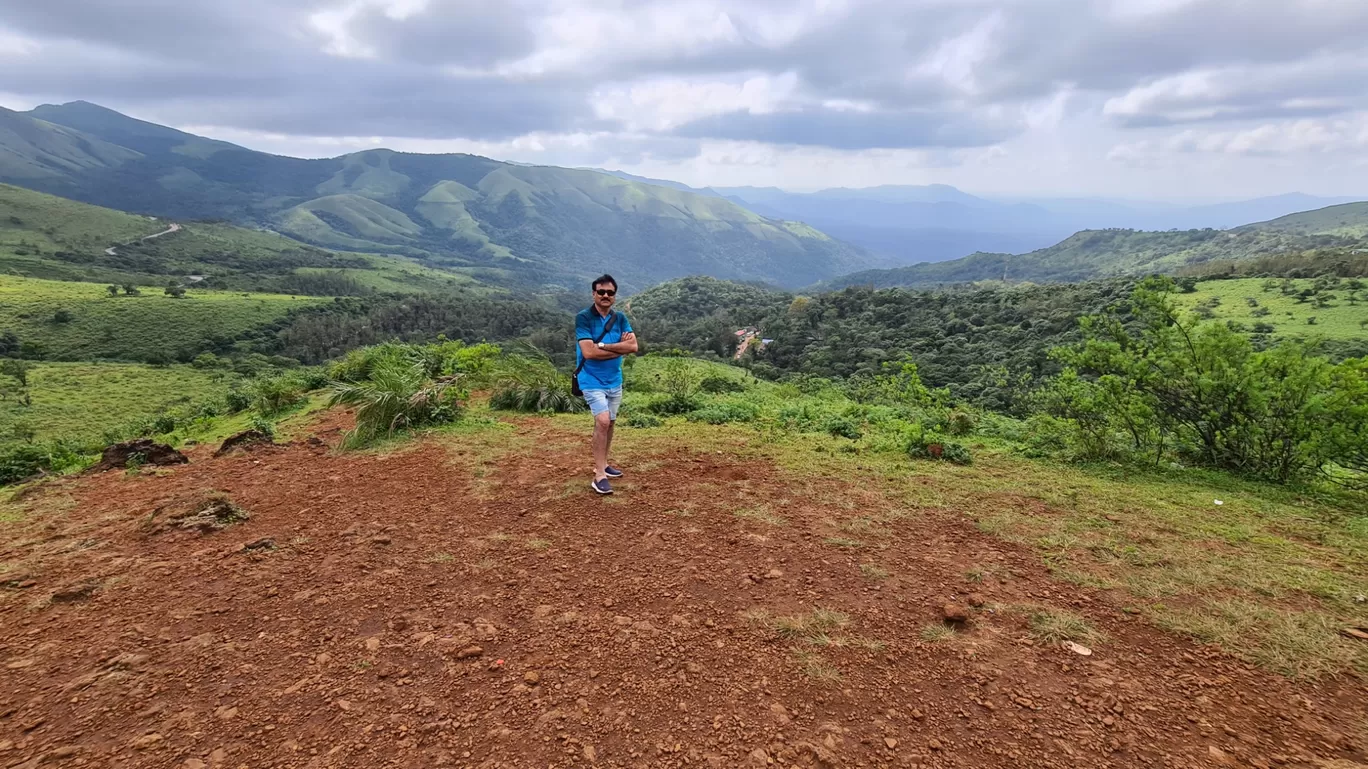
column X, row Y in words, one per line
column 844, row 542
column 71, row 400
column 1300, row 645
column 147, row 327
column 538, row 544
column 440, row 558
column 816, row 668
column 1054, row 626
column 1287, row 316
column 761, row 514
column 935, row 632
column 873, row 571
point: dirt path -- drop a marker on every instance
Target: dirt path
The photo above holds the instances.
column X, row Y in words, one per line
column 467, row 603
column 111, row 251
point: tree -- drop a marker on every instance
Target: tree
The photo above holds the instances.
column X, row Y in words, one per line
column 175, row 290
column 130, row 290
column 61, row 316
column 113, row 291
column 18, row 372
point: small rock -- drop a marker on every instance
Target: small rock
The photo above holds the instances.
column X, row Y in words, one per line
column 953, row 612
column 59, row 753
column 590, row 754
column 372, row 644
column 976, row 600
column 75, row 593
column 935, row 744
column 469, row 651
column 323, row 658
column 890, row 742
column 759, row 757
column 265, row 543
column 17, row 664
column 218, row 756
column 344, row 705
column 918, row 715
column 532, row 678
column 774, row 574
column 146, row 741
column 194, row 763
column 225, row 713
column 380, row 539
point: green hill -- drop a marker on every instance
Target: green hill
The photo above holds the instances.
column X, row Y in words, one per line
column 1094, row 254
column 1349, row 220
column 538, row 224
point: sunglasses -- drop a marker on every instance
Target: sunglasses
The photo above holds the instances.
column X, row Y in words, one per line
column 605, row 292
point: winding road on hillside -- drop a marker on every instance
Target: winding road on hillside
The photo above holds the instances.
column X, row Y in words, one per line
column 173, row 228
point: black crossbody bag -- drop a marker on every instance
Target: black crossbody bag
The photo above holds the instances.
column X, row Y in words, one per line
column 574, row 378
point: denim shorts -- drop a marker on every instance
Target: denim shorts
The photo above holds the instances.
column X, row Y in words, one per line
column 604, row 400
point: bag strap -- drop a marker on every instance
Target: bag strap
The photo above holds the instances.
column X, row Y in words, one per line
column 606, row 328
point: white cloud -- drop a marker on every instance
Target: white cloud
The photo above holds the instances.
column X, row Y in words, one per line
column 661, row 104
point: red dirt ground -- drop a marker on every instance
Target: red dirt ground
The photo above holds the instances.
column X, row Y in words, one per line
column 431, row 608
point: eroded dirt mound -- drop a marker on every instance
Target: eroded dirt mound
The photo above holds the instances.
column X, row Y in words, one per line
column 199, row 512
column 471, row 604
column 247, row 439
column 138, row 453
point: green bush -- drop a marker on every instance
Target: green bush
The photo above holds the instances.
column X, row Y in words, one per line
column 725, row 412
column 398, row 397
column 529, row 383
column 237, row 400
column 672, row 405
column 960, row 423
column 930, row 445
column 29, row 459
column 842, row 427
column 719, row 384
column 273, row 394
column 642, row 420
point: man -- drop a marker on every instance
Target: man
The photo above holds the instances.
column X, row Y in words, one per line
column 599, row 371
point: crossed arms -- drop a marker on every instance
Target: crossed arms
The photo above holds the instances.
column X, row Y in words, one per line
column 627, row 346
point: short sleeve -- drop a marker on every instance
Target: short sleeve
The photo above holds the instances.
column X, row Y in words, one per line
column 626, row 324
column 583, row 330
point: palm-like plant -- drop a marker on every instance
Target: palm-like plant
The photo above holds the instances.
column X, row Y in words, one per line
column 527, row 381
column 397, row 396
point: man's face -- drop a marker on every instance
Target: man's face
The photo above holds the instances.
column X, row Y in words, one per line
column 604, row 296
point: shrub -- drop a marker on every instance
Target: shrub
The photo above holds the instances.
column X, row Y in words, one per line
column 960, row 423
column 929, row 445
column 29, row 459
column 237, row 401
column 642, row 420
column 725, row 412
column 264, row 426
column 842, row 427
column 273, row 394
column 679, row 380
column 397, row 397
column 313, row 379
column 719, row 384
column 529, row 383
column 671, row 405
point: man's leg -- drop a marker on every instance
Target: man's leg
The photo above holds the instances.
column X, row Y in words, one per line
column 603, row 435
column 614, row 403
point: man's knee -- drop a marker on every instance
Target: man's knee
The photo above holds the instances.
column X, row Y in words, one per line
column 603, row 421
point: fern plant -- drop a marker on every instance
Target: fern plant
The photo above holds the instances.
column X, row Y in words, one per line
column 529, row 383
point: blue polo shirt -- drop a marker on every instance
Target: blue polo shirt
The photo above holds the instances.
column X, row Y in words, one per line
column 599, row 374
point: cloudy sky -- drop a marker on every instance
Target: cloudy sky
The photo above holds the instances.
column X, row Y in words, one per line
column 1125, row 98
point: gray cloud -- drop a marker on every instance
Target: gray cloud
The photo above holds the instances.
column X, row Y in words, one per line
column 903, row 73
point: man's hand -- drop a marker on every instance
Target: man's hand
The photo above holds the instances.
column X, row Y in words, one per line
column 627, row 346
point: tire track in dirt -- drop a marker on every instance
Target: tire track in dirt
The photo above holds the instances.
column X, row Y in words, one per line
column 463, row 602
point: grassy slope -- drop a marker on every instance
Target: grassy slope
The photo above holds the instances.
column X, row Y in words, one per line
column 1340, row 320
column 85, row 399
column 1348, row 220
column 129, row 327
column 1271, row 573
column 36, row 223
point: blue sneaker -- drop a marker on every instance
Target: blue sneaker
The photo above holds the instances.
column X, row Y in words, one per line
column 602, row 487
column 612, row 472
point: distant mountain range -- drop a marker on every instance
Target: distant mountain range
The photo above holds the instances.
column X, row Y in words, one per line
column 529, row 224
column 932, row 223
column 1104, row 253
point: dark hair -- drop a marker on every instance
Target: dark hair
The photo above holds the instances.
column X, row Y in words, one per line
column 600, row 280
